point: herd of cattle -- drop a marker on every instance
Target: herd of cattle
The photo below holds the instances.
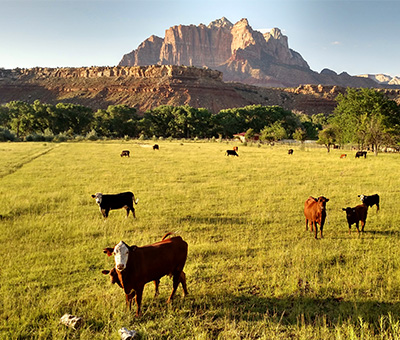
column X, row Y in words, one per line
column 136, row 266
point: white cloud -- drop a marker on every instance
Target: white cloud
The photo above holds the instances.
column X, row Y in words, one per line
column 335, row 43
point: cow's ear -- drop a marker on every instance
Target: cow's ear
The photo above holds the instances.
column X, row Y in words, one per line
column 327, row 200
column 108, row 251
column 93, row 196
column 132, row 248
column 105, row 272
column 344, row 209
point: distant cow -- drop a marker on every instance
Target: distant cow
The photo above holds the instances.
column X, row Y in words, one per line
column 343, row 155
column 116, row 201
column 356, row 215
column 231, row 153
column 369, row 201
column 136, row 266
column 290, row 152
column 235, row 148
column 315, row 212
column 361, row 154
column 125, row 153
column 156, row 147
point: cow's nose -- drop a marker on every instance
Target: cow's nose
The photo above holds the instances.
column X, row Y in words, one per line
column 120, row 267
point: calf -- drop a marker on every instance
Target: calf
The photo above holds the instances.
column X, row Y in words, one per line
column 315, row 212
column 231, row 153
column 369, row 201
column 118, row 201
column 343, row 155
column 361, row 154
column 235, row 148
column 290, row 152
column 156, row 147
column 356, row 215
column 125, row 153
column 136, row 266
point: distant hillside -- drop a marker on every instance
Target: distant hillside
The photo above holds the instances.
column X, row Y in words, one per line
column 151, row 86
column 241, row 53
column 382, row 79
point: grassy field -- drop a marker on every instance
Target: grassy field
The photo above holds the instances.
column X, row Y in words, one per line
column 253, row 272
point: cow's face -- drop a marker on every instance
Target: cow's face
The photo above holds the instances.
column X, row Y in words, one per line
column 98, row 197
column 362, row 197
column 322, row 201
column 121, row 254
column 349, row 211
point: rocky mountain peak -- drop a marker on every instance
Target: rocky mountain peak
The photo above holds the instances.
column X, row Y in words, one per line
column 241, row 53
column 223, row 23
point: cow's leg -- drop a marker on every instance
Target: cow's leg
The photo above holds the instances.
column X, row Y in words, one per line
column 105, row 212
column 133, row 210
column 358, row 230
column 129, row 298
column 363, row 225
column 377, row 207
column 306, row 224
column 139, row 294
column 175, row 282
column 182, row 280
column 316, row 229
column 321, row 227
column 127, row 211
column 349, row 228
column 156, row 285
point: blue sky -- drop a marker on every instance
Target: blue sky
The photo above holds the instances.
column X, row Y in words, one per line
column 355, row 36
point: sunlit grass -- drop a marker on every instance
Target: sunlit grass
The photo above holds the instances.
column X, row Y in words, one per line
column 253, row 271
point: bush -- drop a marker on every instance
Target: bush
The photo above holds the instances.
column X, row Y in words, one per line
column 6, row 135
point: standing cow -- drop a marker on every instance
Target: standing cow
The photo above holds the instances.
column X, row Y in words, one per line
column 116, row 201
column 371, row 200
column 315, row 212
column 231, row 153
column 135, row 266
column 356, row 215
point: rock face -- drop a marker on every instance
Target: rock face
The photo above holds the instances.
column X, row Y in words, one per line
column 241, row 53
column 382, row 79
column 146, row 87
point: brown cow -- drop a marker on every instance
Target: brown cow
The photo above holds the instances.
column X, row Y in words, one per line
column 125, row 153
column 356, row 215
column 290, row 152
column 235, row 148
column 343, row 155
column 135, row 266
column 315, row 212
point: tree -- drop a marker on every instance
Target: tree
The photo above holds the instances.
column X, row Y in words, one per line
column 327, row 137
column 273, row 132
column 300, row 135
column 367, row 117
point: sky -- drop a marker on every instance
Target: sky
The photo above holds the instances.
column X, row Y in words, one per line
column 353, row 36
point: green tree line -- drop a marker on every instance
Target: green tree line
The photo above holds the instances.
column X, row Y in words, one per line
column 364, row 117
column 31, row 121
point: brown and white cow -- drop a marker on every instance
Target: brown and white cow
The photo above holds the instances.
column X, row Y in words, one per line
column 136, row 266
column 356, row 215
column 315, row 213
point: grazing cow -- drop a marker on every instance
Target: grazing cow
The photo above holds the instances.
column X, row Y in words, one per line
column 235, row 148
column 361, row 154
column 369, row 201
column 125, row 153
column 356, row 215
column 290, row 152
column 315, row 212
column 156, row 147
column 118, row 201
column 343, row 155
column 231, row 153
column 136, row 266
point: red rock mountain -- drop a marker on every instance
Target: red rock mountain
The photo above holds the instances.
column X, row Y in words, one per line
column 241, row 53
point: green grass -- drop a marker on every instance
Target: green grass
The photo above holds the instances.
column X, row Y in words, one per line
column 253, row 272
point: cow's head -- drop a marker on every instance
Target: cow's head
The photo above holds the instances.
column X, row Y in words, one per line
column 121, row 254
column 349, row 211
column 362, row 198
column 322, row 201
column 113, row 276
column 98, row 196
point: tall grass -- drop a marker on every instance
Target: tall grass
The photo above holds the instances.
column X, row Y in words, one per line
column 253, row 271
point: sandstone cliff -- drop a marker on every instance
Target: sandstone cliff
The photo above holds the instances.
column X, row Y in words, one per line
column 146, row 87
column 241, row 53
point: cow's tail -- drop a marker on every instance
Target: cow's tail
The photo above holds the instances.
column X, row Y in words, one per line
column 166, row 235
column 135, row 200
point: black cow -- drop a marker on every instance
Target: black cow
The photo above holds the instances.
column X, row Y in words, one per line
column 290, row 152
column 156, row 147
column 369, row 201
column 231, row 153
column 361, row 154
column 125, row 153
column 116, row 201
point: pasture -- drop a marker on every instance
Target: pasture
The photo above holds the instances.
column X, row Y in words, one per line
column 253, row 272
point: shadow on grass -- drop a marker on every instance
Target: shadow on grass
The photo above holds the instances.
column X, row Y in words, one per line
column 215, row 220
